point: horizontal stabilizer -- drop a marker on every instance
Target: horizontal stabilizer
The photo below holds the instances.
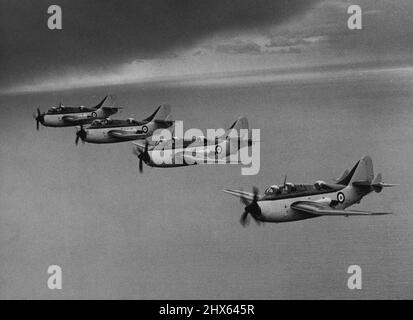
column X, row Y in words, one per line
column 364, row 183
column 378, row 185
column 164, row 123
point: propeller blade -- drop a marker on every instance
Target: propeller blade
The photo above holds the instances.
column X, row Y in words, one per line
column 143, row 156
column 136, row 152
column 38, row 118
column 81, row 134
column 244, row 201
column 255, row 192
column 251, row 208
column 244, row 220
column 140, row 165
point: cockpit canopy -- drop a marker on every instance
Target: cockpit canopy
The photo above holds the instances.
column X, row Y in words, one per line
column 100, row 122
column 286, row 188
column 131, row 120
column 274, row 189
column 319, row 185
column 56, row 109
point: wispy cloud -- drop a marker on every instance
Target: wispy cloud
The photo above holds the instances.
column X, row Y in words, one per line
column 239, row 47
column 101, row 35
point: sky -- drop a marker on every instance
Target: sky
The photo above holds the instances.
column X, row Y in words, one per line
column 172, row 233
column 137, row 41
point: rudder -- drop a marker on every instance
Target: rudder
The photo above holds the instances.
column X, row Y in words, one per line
column 363, row 173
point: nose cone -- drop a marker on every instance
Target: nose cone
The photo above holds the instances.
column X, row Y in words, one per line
column 82, row 135
column 254, row 209
column 40, row 118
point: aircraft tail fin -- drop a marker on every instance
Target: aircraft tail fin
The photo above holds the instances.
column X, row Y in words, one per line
column 360, row 175
column 241, row 123
column 101, row 103
column 363, row 172
column 161, row 113
column 342, row 177
column 237, row 136
column 108, row 104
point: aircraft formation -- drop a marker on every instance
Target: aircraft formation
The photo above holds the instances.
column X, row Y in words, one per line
column 279, row 203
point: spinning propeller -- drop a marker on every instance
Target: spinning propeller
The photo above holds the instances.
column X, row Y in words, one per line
column 251, row 209
column 143, row 156
column 39, row 118
column 81, row 134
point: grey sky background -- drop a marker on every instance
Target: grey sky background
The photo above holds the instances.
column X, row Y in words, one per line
column 171, row 233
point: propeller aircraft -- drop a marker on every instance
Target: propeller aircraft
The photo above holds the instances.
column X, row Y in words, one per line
column 62, row 116
column 112, row 131
column 178, row 152
column 292, row 202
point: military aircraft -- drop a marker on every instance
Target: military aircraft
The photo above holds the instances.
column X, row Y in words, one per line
column 111, row 130
column 291, row 202
column 62, row 116
column 178, row 152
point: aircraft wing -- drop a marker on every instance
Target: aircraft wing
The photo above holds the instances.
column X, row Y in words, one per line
column 76, row 120
column 321, row 209
column 126, row 135
column 240, row 194
column 202, row 160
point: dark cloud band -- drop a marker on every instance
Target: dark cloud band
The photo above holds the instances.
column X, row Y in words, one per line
column 102, row 34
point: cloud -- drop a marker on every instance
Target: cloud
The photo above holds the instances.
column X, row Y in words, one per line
column 239, row 47
column 282, row 41
column 99, row 35
column 252, row 48
column 289, row 50
column 197, row 53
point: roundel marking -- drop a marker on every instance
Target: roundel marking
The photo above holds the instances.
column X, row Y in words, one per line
column 218, row 149
column 145, row 129
column 94, row 114
column 341, row 197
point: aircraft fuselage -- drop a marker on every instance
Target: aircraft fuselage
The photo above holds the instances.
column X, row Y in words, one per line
column 102, row 135
column 281, row 211
column 73, row 119
column 166, row 158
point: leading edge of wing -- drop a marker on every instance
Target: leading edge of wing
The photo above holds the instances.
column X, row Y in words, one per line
column 325, row 210
column 124, row 135
column 73, row 119
column 240, row 194
column 202, row 160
